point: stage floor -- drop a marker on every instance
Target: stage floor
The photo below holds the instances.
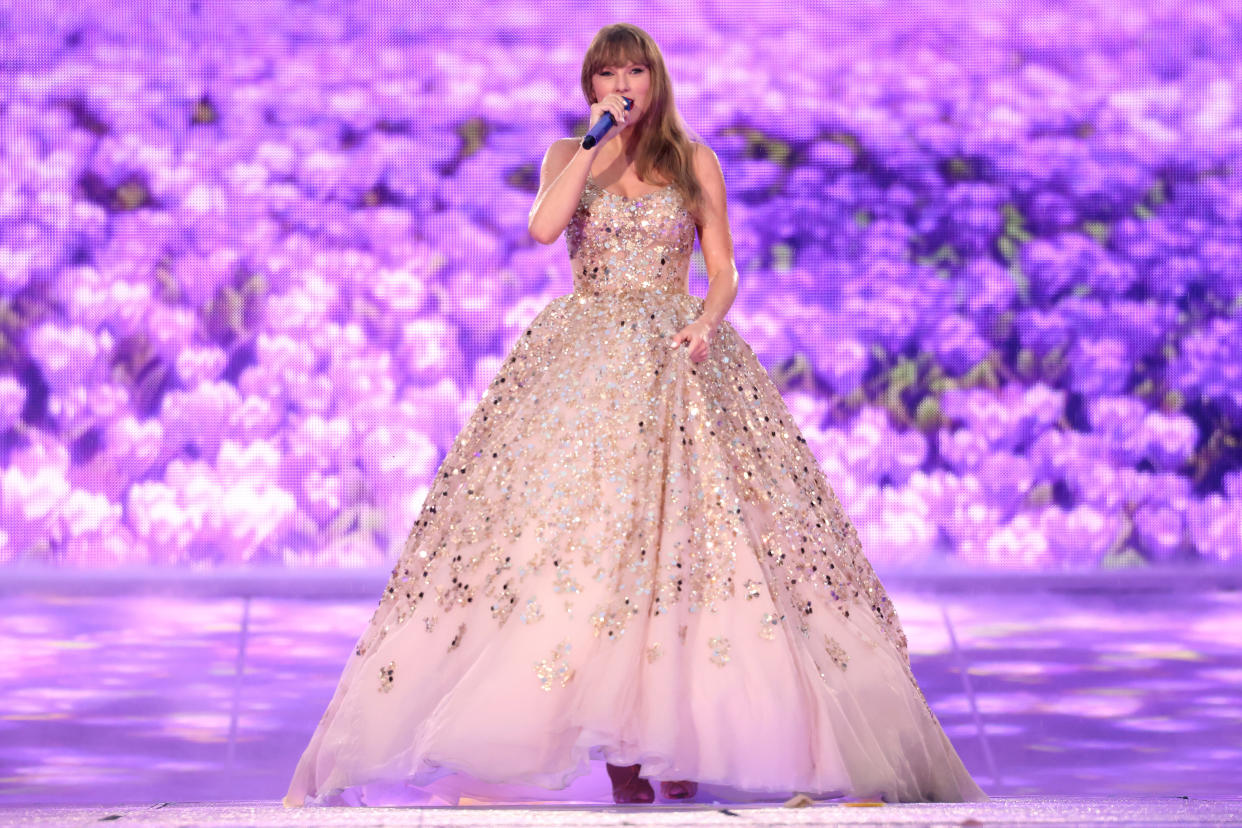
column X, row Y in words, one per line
column 1024, row 810
column 149, row 691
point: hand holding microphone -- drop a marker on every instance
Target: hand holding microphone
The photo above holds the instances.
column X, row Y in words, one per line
column 612, row 110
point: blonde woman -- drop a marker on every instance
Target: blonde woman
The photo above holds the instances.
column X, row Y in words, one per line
column 630, row 556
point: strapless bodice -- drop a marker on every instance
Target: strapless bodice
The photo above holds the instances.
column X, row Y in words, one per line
column 619, row 244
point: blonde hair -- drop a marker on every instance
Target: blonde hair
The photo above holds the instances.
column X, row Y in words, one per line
column 665, row 146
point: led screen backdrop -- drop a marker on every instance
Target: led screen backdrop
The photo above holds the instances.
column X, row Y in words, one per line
column 259, row 261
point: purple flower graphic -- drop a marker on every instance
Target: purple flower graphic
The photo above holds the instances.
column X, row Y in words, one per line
column 1004, row 297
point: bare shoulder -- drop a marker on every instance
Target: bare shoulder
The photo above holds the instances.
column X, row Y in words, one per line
column 567, row 146
column 708, row 172
column 705, row 160
column 555, row 160
column 559, row 154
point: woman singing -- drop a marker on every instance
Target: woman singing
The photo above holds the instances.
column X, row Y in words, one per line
column 630, row 556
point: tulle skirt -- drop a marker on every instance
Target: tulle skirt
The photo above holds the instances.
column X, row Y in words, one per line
column 630, row 557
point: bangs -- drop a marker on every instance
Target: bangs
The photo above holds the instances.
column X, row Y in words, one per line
column 618, row 49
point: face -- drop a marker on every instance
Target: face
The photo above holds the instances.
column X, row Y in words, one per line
column 633, row 80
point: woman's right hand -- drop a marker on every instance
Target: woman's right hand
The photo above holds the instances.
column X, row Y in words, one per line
column 615, row 104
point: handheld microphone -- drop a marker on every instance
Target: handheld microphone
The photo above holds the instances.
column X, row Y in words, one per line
column 604, row 124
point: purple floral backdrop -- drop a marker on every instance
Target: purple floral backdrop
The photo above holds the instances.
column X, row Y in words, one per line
column 259, row 261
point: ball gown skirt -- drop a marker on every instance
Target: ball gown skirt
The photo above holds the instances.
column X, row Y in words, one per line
column 627, row 556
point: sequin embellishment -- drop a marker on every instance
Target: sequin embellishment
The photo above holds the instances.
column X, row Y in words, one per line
column 533, row 612
column 836, row 652
column 386, row 676
column 461, row 630
column 629, row 477
column 504, row 604
column 557, row 667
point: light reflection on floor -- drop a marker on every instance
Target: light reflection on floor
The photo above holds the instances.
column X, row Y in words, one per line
column 143, row 698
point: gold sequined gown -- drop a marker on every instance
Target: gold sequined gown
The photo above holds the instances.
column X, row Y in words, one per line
column 629, row 556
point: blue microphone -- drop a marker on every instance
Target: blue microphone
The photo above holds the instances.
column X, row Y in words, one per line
column 604, row 124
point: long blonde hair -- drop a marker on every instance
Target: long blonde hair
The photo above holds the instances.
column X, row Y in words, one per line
column 665, row 147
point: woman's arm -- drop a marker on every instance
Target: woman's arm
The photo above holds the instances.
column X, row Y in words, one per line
column 562, row 177
column 715, row 238
column 563, row 174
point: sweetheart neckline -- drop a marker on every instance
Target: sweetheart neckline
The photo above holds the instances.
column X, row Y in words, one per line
column 591, row 178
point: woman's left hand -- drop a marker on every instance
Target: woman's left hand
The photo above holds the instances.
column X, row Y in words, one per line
column 698, row 333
